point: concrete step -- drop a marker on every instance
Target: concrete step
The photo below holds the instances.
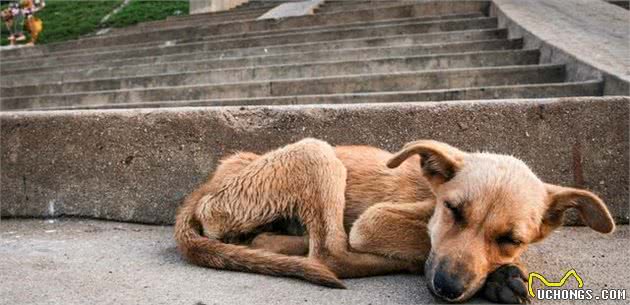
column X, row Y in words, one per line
column 171, row 24
column 246, row 11
column 547, row 90
column 138, row 164
column 329, row 7
column 407, row 81
column 290, row 38
column 216, row 50
column 196, row 23
column 100, row 72
column 284, row 71
column 198, row 32
column 244, row 8
column 188, row 22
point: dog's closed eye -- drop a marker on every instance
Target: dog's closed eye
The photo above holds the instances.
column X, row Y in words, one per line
column 508, row 240
column 458, row 215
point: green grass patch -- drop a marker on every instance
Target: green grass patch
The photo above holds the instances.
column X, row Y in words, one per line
column 147, row 10
column 70, row 19
column 66, row 20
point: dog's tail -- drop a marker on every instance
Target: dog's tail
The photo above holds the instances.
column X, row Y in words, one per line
column 214, row 253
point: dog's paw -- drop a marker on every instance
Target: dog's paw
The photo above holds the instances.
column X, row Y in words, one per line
column 507, row 285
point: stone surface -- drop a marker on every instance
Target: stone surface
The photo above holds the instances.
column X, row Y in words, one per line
column 213, row 60
column 95, row 262
column 290, row 83
column 200, row 51
column 195, row 33
column 292, row 9
column 137, row 165
column 589, row 36
column 205, row 6
column 215, row 74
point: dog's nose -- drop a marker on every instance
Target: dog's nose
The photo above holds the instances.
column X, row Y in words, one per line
column 447, row 286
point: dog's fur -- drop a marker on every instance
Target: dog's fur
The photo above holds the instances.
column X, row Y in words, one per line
column 462, row 215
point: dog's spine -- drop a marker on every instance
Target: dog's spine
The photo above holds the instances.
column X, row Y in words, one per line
column 213, row 253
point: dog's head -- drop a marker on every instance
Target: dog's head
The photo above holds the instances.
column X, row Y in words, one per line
column 489, row 208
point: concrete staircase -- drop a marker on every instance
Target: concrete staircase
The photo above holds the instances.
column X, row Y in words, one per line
column 340, row 66
column 349, row 52
column 121, row 127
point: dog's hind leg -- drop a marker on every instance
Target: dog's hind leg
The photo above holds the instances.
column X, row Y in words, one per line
column 282, row 244
column 322, row 212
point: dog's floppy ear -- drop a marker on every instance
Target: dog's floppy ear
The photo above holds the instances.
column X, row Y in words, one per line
column 591, row 208
column 439, row 161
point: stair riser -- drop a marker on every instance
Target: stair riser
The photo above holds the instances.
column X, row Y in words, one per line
column 58, row 57
column 461, row 25
column 522, row 91
column 407, row 11
column 375, row 83
column 294, row 58
column 162, row 25
column 331, row 9
column 289, row 72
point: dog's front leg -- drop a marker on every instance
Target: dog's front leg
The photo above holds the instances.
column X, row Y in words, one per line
column 396, row 231
column 507, row 284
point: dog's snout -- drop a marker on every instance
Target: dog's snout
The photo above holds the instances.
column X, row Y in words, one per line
column 447, row 284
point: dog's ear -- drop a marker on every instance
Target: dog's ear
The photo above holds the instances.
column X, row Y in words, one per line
column 439, row 161
column 590, row 207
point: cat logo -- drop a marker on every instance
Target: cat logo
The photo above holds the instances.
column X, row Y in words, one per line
column 544, row 281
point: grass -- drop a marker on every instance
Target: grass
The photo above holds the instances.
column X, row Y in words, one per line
column 144, row 10
column 70, row 19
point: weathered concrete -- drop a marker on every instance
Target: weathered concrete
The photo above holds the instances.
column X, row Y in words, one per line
column 206, row 6
column 621, row 3
column 531, row 91
column 292, row 9
column 591, row 38
column 271, row 38
column 137, row 165
column 400, row 81
column 195, row 33
column 212, row 50
column 329, row 7
column 137, row 67
column 197, row 75
column 96, row 262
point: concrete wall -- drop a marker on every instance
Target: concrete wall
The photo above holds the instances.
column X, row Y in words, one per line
column 137, row 165
column 589, row 36
column 209, row 6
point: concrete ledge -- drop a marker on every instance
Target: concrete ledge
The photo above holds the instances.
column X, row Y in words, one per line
column 137, row 165
column 591, row 37
column 207, row 6
column 292, row 9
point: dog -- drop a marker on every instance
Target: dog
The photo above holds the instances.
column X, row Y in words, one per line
column 461, row 218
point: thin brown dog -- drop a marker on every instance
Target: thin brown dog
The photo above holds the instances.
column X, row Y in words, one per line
column 465, row 217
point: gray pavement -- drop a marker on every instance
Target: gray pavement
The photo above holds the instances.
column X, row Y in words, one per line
column 73, row 261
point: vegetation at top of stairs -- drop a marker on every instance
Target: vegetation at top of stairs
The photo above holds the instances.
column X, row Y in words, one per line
column 69, row 19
